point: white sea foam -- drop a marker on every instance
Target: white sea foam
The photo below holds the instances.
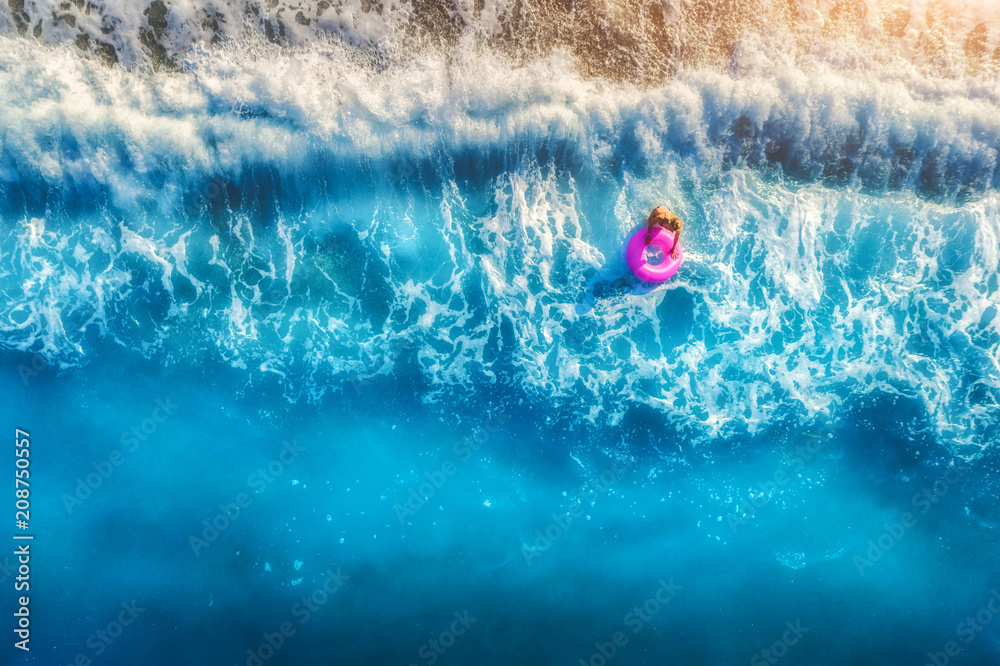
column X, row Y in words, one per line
column 793, row 295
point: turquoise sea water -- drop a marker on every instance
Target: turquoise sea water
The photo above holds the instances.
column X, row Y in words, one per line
column 329, row 358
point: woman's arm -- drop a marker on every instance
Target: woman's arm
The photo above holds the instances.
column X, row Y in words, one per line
column 677, row 241
column 650, row 223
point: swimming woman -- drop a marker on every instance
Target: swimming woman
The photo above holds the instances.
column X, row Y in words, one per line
column 663, row 217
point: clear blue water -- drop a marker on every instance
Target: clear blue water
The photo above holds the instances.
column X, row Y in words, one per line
column 309, row 345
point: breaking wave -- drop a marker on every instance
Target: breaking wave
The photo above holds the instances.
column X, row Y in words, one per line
column 364, row 192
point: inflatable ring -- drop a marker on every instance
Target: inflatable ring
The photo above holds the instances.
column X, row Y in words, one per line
column 635, row 255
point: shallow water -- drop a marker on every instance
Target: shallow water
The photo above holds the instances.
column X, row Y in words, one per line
column 333, row 329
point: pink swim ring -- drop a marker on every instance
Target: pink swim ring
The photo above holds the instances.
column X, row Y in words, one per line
column 635, row 255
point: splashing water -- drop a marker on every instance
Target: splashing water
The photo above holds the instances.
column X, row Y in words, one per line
column 374, row 227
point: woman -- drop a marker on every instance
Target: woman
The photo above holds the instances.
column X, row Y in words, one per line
column 662, row 217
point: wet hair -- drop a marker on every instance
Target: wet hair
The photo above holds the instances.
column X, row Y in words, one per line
column 660, row 214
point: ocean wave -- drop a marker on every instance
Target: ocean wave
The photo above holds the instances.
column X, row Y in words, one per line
column 793, row 299
column 131, row 138
column 307, row 215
